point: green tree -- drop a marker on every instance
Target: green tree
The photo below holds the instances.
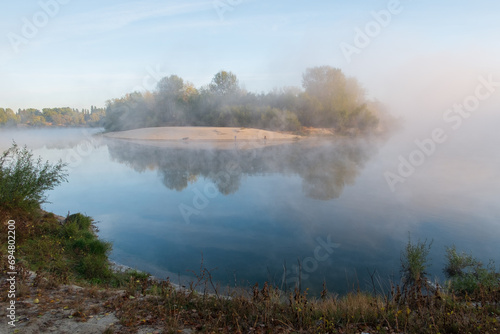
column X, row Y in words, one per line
column 330, row 100
column 95, row 117
column 8, row 117
column 224, row 83
column 170, row 86
column 27, row 115
column 169, row 96
column 38, row 120
column 3, row 116
column 132, row 111
column 278, row 119
column 333, row 100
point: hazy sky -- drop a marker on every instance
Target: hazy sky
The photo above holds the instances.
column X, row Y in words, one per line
column 81, row 53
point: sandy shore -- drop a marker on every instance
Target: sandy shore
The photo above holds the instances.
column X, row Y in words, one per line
column 215, row 136
column 190, row 133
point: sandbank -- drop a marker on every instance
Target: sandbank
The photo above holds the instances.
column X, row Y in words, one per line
column 220, row 137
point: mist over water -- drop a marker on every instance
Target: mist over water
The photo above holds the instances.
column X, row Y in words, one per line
column 325, row 168
column 248, row 212
column 343, row 207
column 49, row 138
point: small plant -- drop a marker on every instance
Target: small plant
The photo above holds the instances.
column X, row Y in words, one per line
column 466, row 274
column 414, row 262
column 459, row 264
column 24, row 180
column 89, row 253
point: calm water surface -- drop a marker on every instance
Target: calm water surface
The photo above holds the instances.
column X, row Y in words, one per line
column 252, row 212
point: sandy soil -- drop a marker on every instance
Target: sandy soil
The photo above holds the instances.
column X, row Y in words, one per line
column 71, row 309
column 210, row 134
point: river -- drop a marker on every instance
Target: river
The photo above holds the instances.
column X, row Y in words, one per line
column 342, row 208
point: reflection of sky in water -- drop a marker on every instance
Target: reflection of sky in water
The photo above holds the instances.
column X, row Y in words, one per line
column 272, row 213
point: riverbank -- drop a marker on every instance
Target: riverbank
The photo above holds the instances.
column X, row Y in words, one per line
column 60, row 289
column 56, row 277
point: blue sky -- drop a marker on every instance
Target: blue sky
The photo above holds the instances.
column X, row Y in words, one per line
column 86, row 52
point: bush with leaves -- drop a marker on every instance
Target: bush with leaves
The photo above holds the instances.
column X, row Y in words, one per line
column 24, row 180
column 90, row 255
column 414, row 262
column 466, row 274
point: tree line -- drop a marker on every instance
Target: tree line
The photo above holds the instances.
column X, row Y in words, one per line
column 52, row 117
column 327, row 99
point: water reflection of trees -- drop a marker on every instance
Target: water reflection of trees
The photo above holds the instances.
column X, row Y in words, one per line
column 324, row 168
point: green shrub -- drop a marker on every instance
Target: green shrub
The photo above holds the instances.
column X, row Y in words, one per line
column 470, row 283
column 90, row 246
column 82, row 222
column 459, row 264
column 92, row 266
column 414, row 262
column 76, row 225
column 466, row 274
column 24, row 180
column 90, row 255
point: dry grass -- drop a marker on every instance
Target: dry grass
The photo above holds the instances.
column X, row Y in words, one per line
column 142, row 302
column 268, row 309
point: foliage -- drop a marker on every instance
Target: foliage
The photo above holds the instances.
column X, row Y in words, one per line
column 466, row 274
column 89, row 254
column 52, row 117
column 330, row 100
column 224, row 83
column 414, row 262
column 8, row 117
column 24, row 180
column 334, row 100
